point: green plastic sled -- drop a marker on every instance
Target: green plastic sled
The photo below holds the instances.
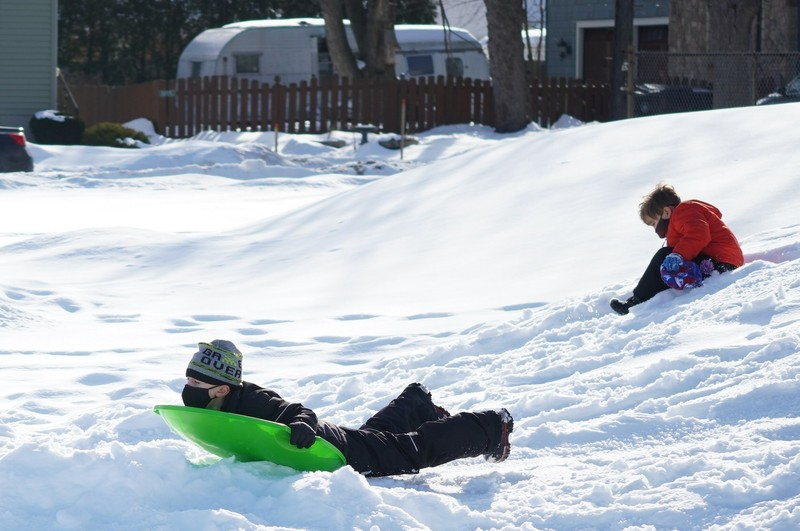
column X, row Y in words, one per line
column 248, row 438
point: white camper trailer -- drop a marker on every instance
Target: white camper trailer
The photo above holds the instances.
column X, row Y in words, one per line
column 294, row 50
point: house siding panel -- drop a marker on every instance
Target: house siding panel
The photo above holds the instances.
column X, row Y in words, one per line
column 564, row 15
column 28, row 32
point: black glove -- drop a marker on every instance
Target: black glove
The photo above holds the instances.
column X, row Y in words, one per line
column 303, row 435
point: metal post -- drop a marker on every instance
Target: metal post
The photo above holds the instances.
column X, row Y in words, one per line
column 402, row 126
column 630, row 87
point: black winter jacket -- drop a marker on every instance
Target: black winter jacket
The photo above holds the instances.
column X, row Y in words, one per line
column 254, row 401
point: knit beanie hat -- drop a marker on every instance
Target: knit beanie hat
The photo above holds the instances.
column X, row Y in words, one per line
column 218, row 363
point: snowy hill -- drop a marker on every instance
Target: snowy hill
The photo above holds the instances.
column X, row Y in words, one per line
column 480, row 264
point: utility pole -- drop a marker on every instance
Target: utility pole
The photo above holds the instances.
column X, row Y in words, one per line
column 623, row 38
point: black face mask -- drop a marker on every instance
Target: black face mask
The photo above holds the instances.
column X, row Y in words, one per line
column 195, row 396
column 661, row 227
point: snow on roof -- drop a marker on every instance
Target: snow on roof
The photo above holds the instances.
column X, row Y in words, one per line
column 278, row 23
column 408, row 33
column 208, row 44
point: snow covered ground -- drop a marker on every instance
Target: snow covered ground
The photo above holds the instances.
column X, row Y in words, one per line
column 479, row 264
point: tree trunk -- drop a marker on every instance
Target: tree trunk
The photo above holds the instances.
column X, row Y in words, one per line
column 623, row 38
column 380, row 39
column 344, row 63
column 688, row 28
column 780, row 23
column 713, row 26
column 507, row 61
column 734, row 27
column 355, row 11
column 373, row 30
column 689, row 22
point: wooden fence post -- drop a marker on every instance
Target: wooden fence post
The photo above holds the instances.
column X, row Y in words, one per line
column 279, row 105
column 469, row 115
column 430, row 106
column 313, row 105
column 346, row 100
column 440, row 102
column 214, row 97
column 255, row 111
column 291, row 126
column 224, row 104
column 324, row 102
column 488, row 105
column 336, row 97
column 303, row 105
column 196, row 108
column 409, row 110
column 392, row 90
column 265, row 119
column 235, row 119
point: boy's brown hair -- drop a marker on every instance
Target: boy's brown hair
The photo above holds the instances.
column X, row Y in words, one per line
column 653, row 204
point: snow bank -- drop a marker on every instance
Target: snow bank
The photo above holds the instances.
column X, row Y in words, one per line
column 480, row 264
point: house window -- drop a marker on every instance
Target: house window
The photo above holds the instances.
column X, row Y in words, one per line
column 197, row 68
column 653, row 39
column 420, row 65
column 247, row 63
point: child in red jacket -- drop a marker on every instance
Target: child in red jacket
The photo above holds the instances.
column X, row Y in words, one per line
column 698, row 243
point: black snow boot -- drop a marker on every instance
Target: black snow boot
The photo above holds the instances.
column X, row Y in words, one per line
column 440, row 411
column 503, row 448
column 622, row 308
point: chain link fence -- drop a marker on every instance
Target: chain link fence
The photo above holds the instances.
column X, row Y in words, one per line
column 680, row 82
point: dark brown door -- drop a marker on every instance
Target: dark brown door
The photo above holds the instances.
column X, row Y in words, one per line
column 597, row 57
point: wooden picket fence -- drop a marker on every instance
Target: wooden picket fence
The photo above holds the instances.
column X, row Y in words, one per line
column 186, row 107
column 227, row 103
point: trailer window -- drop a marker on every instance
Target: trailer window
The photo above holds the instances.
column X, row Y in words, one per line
column 247, row 63
column 420, row 65
column 324, row 62
column 454, row 66
column 197, row 68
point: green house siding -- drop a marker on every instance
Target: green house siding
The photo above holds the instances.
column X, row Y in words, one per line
column 28, row 31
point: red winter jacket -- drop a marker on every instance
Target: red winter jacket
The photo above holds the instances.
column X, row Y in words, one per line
column 696, row 227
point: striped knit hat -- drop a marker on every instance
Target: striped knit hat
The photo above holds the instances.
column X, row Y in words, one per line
column 218, row 363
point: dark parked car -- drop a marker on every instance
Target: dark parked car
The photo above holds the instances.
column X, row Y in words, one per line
column 788, row 94
column 652, row 98
column 14, row 155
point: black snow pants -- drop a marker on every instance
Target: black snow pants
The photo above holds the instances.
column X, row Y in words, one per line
column 650, row 284
column 408, row 435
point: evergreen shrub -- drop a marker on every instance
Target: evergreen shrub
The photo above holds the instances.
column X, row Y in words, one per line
column 55, row 127
column 113, row 135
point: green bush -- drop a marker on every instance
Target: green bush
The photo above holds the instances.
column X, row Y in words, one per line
column 113, row 135
column 55, row 127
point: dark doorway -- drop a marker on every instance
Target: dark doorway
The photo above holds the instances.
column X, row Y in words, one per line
column 597, row 46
